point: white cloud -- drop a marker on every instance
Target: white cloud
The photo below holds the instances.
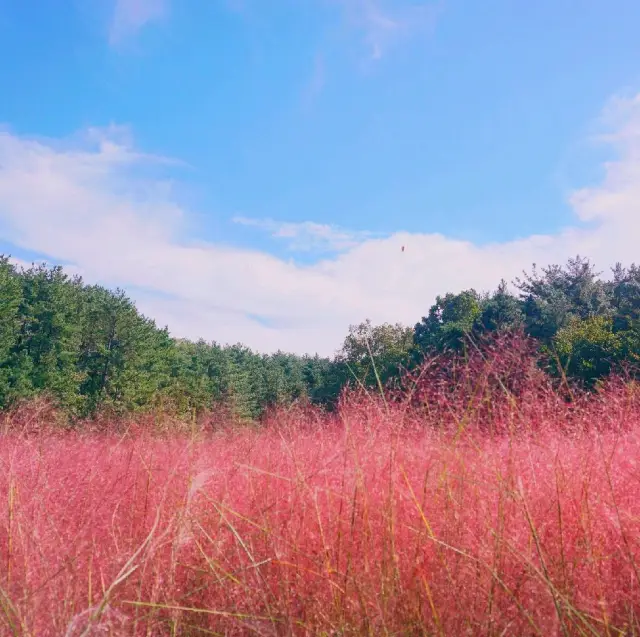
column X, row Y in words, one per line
column 20, row 263
column 129, row 16
column 99, row 205
column 384, row 22
column 308, row 236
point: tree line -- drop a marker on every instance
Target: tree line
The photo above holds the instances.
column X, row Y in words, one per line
column 91, row 350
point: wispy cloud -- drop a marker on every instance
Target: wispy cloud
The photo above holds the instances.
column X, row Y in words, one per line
column 308, row 236
column 86, row 205
column 316, row 82
column 129, row 16
column 383, row 23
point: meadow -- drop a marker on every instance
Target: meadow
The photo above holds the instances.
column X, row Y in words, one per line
column 484, row 501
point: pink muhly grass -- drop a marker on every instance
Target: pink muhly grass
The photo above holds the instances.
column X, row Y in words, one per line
column 404, row 515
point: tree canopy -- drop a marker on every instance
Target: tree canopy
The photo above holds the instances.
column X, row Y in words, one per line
column 91, row 350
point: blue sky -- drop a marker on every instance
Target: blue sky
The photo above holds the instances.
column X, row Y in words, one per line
column 248, row 170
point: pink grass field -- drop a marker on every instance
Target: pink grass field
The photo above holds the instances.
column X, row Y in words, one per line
column 371, row 522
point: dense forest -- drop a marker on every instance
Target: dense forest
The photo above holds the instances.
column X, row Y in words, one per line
column 90, row 350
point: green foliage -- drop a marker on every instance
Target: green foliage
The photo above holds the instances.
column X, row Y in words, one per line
column 124, row 360
column 592, row 325
column 199, row 376
column 502, row 311
column 10, row 302
column 91, row 350
column 625, row 292
column 558, row 295
column 372, row 354
column 588, row 348
column 43, row 358
column 450, row 319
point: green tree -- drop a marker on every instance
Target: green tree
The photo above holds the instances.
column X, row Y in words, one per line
column 501, row 311
column 284, row 377
column 374, row 352
column 246, row 386
column 124, row 359
column 588, row 348
column 91, row 350
column 199, row 376
column 323, row 379
column 556, row 295
column 10, row 301
column 625, row 291
column 450, row 320
column 44, row 357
